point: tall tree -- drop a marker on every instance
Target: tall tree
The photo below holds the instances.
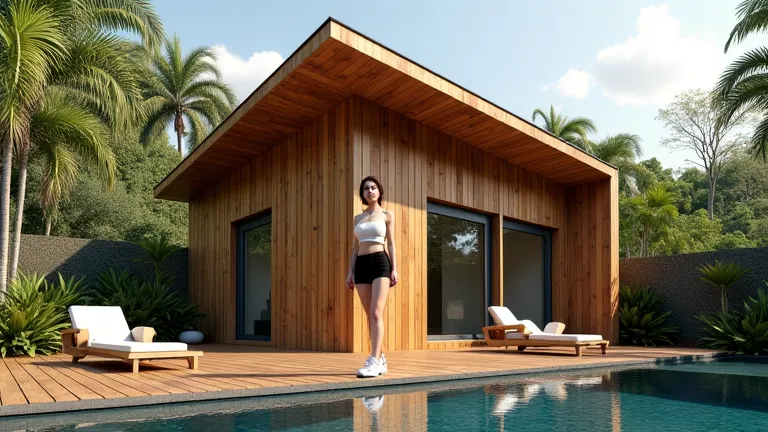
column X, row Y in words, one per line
column 95, row 71
column 573, row 130
column 31, row 43
column 186, row 91
column 648, row 220
column 620, row 150
column 692, row 119
column 744, row 84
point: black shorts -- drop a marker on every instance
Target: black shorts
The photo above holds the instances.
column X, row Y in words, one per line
column 371, row 266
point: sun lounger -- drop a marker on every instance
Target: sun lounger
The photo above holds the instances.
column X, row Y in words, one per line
column 103, row 331
column 509, row 331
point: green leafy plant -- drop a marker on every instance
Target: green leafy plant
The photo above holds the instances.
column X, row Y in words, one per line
column 34, row 311
column 739, row 332
column 147, row 303
column 722, row 276
column 641, row 319
column 157, row 249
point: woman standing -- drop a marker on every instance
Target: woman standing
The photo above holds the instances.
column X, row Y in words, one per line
column 372, row 270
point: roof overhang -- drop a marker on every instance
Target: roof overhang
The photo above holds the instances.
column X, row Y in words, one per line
column 337, row 62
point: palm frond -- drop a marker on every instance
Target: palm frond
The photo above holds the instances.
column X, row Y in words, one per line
column 99, row 67
column 752, row 62
column 65, row 124
column 60, row 174
column 759, row 142
column 133, row 16
column 539, row 113
column 158, row 118
column 30, row 42
column 199, row 61
column 198, row 130
column 753, row 18
column 214, row 90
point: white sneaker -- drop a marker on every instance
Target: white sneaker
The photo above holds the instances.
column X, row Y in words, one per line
column 383, row 363
column 372, row 368
column 373, row 403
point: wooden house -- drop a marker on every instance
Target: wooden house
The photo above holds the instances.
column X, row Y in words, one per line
column 490, row 209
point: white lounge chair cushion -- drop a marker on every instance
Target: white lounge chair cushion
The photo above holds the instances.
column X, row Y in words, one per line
column 566, row 337
column 139, row 347
column 104, row 323
column 503, row 316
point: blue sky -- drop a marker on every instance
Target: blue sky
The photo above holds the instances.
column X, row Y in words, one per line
column 616, row 62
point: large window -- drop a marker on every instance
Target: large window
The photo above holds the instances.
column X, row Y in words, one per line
column 254, row 279
column 458, row 271
column 527, row 274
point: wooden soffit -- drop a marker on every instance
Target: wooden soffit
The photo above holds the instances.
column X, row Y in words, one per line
column 337, row 62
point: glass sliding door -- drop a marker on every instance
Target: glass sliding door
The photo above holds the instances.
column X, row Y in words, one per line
column 458, row 272
column 527, row 272
column 254, row 279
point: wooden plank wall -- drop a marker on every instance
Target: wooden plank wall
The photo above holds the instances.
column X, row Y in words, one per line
column 592, row 267
column 303, row 182
column 416, row 163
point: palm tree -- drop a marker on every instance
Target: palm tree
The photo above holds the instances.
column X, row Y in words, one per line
column 64, row 133
column 744, row 84
column 619, row 150
column 181, row 91
column 94, row 72
column 573, row 130
column 31, row 42
column 657, row 212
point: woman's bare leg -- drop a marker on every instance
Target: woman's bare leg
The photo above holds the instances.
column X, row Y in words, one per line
column 379, row 292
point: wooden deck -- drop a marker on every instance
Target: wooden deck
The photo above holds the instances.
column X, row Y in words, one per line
column 55, row 384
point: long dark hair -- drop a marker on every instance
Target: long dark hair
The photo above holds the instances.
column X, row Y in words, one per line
column 378, row 186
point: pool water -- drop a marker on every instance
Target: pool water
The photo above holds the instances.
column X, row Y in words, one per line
column 730, row 394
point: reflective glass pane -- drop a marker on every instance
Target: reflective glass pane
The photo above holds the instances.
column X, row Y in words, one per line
column 455, row 275
column 257, row 282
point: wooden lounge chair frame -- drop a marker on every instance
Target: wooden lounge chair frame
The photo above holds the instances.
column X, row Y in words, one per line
column 75, row 343
column 496, row 336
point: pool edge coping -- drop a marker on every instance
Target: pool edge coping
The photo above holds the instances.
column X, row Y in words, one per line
column 10, row 411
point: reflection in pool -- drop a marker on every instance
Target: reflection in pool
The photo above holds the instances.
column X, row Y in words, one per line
column 725, row 395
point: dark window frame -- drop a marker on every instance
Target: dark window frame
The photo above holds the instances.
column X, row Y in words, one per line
column 242, row 229
column 546, row 261
column 485, row 220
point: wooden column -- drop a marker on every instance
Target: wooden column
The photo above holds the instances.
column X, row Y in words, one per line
column 497, row 260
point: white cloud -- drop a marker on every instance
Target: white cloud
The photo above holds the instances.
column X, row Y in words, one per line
column 652, row 66
column 245, row 75
column 575, row 83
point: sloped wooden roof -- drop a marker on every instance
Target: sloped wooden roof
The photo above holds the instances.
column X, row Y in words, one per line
column 336, row 62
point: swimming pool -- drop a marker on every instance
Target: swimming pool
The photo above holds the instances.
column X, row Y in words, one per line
column 728, row 394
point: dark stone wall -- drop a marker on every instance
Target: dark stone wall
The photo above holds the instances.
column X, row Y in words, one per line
column 88, row 258
column 677, row 278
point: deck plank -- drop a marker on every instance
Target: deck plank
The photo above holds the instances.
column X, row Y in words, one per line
column 57, row 391
column 10, row 392
column 78, row 389
column 33, row 391
column 236, row 368
column 74, row 372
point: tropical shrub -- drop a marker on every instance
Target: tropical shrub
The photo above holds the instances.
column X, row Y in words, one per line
column 147, row 303
column 157, row 249
column 34, row 311
column 739, row 332
column 722, row 276
column 641, row 320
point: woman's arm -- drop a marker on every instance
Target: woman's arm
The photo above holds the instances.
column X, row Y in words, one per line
column 391, row 246
column 353, row 257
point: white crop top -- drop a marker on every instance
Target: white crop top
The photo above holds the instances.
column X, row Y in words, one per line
column 371, row 231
